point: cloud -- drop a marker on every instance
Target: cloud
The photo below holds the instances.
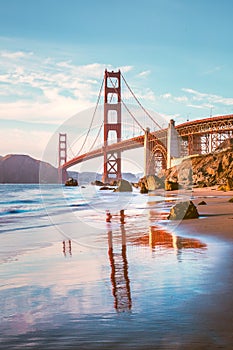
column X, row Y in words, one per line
column 15, row 55
column 208, row 99
column 37, row 88
column 213, row 70
column 144, row 73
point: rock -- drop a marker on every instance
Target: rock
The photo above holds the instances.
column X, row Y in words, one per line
column 226, row 187
column 124, row 186
column 113, row 183
column 97, row 183
column 71, row 182
column 202, row 203
column 151, row 182
column 205, row 170
column 104, row 188
column 221, row 188
column 183, row 210
column 143, row 188
column 229, row 184
column 171, row 186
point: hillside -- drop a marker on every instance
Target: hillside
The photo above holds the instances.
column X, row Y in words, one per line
column 17, row 168
column 205, row 170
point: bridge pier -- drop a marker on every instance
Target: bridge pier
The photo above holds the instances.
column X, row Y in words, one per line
column 146, row 152
column 173, row 143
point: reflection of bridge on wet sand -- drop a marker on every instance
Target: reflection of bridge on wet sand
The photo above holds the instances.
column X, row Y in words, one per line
column 157, row 238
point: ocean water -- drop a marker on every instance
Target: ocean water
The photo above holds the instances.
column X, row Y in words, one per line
column 71, row 280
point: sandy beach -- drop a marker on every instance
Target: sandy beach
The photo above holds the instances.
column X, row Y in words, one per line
column 64, row 294
column 217, row 214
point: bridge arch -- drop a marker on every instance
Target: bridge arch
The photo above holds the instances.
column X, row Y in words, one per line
column 158, row 158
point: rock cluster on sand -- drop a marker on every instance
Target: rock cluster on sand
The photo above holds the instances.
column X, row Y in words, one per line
column 183, row 210
column 205, row 171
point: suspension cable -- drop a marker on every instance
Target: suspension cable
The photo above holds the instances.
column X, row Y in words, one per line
column 93, row 116
column 126, row 106
column 147, row 113
column 96, row 136
column 70, row 149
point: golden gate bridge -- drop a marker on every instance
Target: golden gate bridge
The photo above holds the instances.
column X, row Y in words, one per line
column 123, row 127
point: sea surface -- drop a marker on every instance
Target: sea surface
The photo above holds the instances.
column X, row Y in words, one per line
column 71, row 280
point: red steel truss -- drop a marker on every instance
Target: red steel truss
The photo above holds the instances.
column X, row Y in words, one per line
column 112, row 123
column 205, row 135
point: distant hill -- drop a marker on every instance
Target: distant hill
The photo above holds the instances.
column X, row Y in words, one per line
column 18, row 168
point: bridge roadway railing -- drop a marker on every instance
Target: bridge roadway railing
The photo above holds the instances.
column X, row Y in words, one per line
column 208, row 125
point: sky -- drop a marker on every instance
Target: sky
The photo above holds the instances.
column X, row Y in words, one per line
column 176, row 55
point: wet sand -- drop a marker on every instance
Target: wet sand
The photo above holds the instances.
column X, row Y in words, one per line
column 216, row 221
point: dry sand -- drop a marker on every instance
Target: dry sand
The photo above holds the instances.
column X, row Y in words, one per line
column 216, row 216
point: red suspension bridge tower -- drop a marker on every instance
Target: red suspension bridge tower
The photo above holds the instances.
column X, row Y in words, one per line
column 62, row 157
column 112, row 124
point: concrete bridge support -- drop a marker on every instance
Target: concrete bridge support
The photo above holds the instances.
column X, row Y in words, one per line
column 146, row 152
column 173, row 143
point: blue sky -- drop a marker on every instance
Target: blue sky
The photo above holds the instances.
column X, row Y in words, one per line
column 175, row 54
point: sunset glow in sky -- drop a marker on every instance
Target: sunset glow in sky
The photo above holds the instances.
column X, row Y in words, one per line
column 176, row 55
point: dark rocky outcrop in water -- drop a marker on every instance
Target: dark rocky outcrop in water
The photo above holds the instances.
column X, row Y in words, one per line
column 71, row 182
column 17, row 168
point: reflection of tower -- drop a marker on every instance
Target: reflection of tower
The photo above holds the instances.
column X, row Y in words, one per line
column 67, row 248
column 119, row 274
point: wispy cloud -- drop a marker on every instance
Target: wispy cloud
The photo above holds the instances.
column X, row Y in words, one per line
column 208, row 99
column 144, row 73
column 212, row 70
column 15, row 54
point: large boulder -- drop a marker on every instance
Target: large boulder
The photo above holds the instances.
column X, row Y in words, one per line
column 143, row 188
column 171, row 185
column 183, row 210
column 124, row 186
column 151, row 182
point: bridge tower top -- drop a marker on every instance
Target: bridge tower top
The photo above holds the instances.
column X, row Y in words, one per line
column 112, row 124
column 62, row 149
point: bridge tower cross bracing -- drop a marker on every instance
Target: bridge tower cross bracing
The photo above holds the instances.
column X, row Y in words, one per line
column 62, row 156
column 112, row 122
